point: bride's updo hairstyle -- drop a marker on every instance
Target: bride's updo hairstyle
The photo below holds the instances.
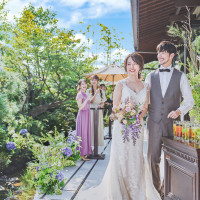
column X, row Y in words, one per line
column 137, row 58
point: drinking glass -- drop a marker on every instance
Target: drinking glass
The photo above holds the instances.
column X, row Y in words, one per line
column 187, row 132
column 174, row 130
column 197, row 134
column 192, row 133
column 183, row 132
column 179, row 130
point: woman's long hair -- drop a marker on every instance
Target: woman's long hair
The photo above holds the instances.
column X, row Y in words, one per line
column 79, row 84
column 96, row 78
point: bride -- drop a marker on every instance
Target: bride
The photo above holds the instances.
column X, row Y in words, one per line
column 127, row 176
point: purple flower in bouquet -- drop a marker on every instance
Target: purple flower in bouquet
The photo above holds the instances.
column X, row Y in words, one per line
column 23, row 131
column 127, row 114
column 11, row 146
column 67, row 152
column 38, row 169
column 60, row 177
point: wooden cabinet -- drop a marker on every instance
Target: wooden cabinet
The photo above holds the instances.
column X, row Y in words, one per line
column 182, row 167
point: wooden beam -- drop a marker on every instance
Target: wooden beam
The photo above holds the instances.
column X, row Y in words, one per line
column 156, row 13
column 189, row 3
column 149, row 5
column 135, row 22
column 152, row 22
column 157, row 32
column 160, row 25
column 179, row 18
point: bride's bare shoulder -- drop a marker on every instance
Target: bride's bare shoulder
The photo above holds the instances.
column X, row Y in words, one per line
column 119, row 86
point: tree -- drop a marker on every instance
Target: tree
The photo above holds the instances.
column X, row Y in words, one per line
column 48, row 59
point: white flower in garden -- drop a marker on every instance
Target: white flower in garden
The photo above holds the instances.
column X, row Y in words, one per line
column 14, row 135
column 12, row 131
column 60, row 144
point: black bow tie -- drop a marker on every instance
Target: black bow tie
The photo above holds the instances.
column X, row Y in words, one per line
column 164, row 70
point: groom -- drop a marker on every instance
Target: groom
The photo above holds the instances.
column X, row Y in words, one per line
column 167, row 86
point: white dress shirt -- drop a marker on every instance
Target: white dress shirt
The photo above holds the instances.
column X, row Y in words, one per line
column 185, row 88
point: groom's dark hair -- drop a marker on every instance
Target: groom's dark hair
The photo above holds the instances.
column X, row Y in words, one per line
column 166, row 46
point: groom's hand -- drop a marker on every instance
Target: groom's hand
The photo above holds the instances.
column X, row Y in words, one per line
column 174, row 114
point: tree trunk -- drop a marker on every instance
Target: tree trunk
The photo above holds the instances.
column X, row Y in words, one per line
column 36, row 111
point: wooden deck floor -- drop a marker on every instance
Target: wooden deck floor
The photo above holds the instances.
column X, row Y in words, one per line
column 87, row 174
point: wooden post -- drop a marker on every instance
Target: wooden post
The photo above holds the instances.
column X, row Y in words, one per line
column 96, row 120
column 109, row 136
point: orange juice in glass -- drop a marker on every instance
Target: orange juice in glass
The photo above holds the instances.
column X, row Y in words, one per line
column 183, row 132
column 179, row 131
column 174, row 130
column 187, row 132
column 193, row 133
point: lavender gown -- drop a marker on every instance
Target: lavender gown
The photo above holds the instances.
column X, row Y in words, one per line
column 83, row 125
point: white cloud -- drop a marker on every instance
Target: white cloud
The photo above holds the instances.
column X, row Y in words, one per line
column 107, row 4
column 112, row 4
column 84, row 40
column 120, row 53
column 15, row 7
column 76, row 17
column 90, row 9
column 116, row 54
column 79, row 9
column 74, row 3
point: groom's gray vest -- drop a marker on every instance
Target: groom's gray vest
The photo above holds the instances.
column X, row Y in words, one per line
column 161, row 106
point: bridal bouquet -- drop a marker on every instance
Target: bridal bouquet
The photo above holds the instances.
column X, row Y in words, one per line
column 127, row 114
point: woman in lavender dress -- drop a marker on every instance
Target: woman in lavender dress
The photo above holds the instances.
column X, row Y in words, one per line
column 83, row 120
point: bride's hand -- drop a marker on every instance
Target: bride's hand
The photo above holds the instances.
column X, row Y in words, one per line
column 140, row 118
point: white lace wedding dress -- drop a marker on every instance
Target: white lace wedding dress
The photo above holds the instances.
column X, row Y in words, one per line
column 127, row 176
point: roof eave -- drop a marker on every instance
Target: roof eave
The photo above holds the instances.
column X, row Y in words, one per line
column 135, row 22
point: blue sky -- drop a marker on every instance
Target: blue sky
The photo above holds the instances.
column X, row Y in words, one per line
column 111, row 13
